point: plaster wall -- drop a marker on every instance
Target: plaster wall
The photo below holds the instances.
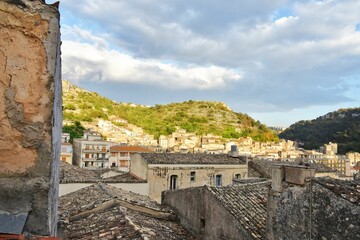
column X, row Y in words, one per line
column 30, row 112
column 159, row 176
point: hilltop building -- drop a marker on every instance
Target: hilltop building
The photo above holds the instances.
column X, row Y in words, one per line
column 165, row 171
column 354, row 158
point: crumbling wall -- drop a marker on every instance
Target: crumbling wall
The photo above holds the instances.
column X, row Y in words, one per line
column 30, row 112
column 312, row 212
column 202, row 215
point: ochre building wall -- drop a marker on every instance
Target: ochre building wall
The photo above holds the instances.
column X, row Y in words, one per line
column 30, row 112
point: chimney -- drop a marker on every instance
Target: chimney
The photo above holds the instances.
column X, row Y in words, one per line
column 234, row 152
column 347, row 168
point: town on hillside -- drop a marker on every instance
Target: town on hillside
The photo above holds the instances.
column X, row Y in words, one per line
column 116, row 182
column 120, row 144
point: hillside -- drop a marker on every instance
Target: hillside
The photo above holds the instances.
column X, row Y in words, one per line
column 341, row 127
column 199, row 117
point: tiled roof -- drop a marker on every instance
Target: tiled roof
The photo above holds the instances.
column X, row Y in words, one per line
column 349, row 190
column 247, row 203
column 264, row 166
column 101, row 211
column 128, row 149
column 198, row 158
column 73, row 174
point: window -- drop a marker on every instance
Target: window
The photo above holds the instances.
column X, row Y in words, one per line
column 192, row 176
column 124, row 163
column 218, row 180
column 237, row 176
column 173, row 182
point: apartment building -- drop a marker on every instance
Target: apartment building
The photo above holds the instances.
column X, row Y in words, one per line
column 92, row 151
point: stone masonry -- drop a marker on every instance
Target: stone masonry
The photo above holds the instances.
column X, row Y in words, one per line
column 30, row 114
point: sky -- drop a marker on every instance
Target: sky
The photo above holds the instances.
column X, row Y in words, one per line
column 277, row 61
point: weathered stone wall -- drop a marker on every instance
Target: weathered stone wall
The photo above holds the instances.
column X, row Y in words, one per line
column 311, row 212
column 30, row 112
column 201, row 214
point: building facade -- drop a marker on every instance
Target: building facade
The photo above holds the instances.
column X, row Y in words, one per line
column 91, row 151
column 169, row 171
column 120, row 156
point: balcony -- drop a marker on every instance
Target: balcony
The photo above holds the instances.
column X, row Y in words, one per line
column 95, row 150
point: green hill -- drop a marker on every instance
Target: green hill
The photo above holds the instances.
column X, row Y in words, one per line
column 200, row 117
column 341, row 127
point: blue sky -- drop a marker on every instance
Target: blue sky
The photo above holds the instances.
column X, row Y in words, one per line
column 278, row 61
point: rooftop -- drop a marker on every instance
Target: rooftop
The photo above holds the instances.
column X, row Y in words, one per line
column 264, row 166
column 73, row 174
column 198, row 158
column 349, row 190
column 247, row 203
column 101, row 211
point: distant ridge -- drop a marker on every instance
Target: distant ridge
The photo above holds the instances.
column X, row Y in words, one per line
column 341, row 126
column 200, row 117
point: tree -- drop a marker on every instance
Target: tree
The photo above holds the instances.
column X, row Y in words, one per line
column 76, row 130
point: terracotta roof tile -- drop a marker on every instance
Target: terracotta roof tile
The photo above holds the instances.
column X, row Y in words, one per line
column 247, row 203
column 73, row 174
column 198, row 158
column 105, row 212
column 349, row 190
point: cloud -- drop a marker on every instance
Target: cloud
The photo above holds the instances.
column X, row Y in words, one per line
column 92, row 60
column 276, row 55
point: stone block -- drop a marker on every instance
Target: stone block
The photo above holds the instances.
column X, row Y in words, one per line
column 298, row 174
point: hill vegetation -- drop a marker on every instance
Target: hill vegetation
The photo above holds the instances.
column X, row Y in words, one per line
column 200, row 117
column 341, row 127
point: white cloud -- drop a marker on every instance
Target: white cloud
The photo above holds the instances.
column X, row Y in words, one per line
column 287, row 59
column 91, row 62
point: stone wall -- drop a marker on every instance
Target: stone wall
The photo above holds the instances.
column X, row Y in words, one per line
column 201, row 214
column 30, row 112
column 314, row 212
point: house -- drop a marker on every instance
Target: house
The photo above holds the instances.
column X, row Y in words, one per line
column 293, row 205
column 91, row 151
column 165, row 171
column 101, row 211
column 66, row 152
column 229, row 212
column 120, row 156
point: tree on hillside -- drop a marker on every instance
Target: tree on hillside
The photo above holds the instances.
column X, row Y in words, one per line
column 76, row 130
